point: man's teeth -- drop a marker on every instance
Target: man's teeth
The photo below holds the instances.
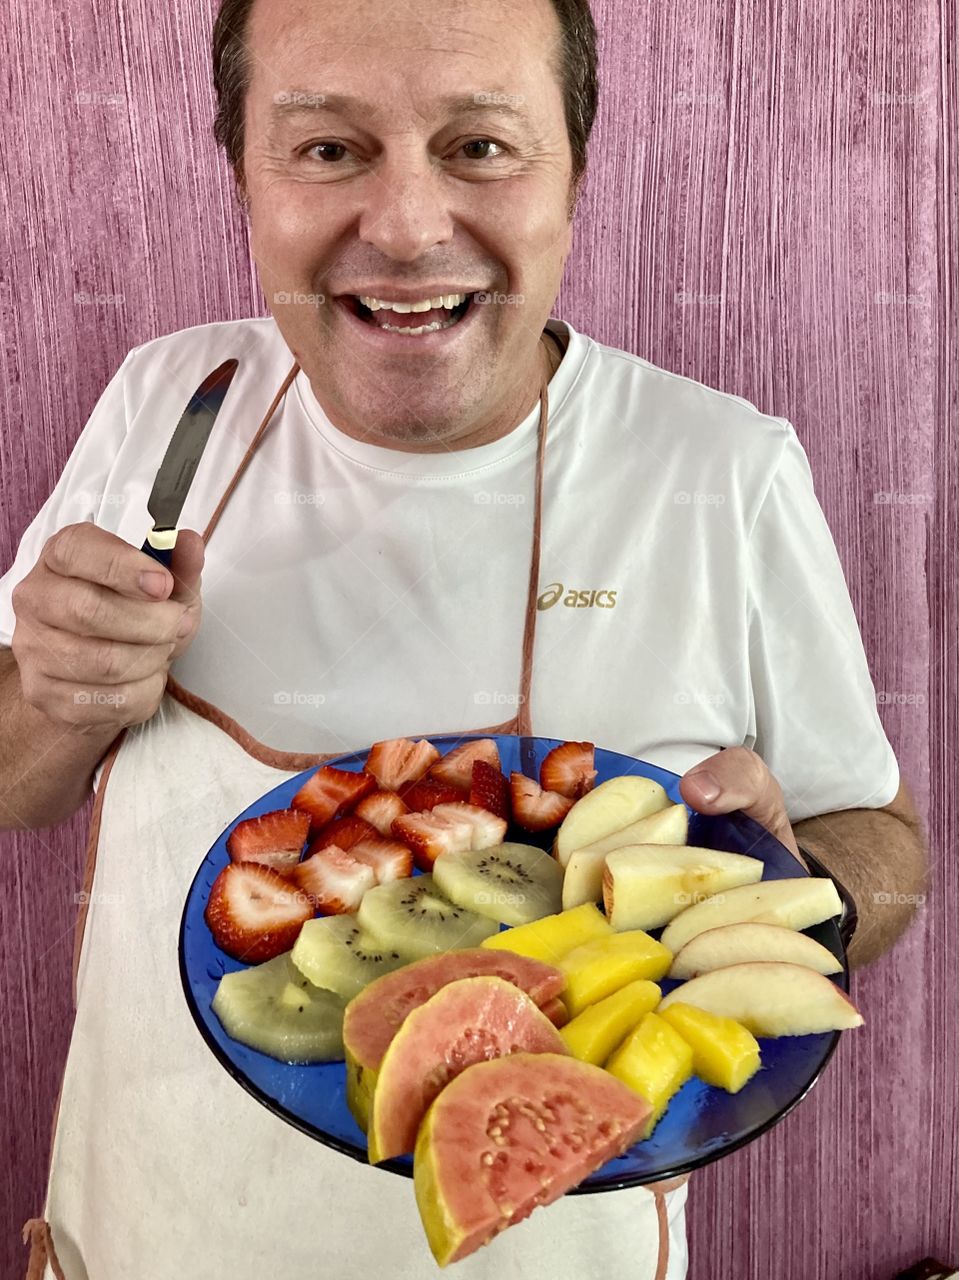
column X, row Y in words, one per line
column 447, row 300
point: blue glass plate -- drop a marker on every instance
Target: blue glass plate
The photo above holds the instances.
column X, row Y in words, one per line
column 701, row 1122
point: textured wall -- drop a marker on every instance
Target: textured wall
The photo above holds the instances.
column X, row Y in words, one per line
column 768, row 211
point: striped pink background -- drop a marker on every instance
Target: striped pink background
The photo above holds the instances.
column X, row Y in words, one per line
column 793, row 168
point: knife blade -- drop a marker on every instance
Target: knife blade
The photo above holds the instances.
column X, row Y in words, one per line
column 181, row 460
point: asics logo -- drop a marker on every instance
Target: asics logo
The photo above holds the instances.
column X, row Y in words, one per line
column 601, row 598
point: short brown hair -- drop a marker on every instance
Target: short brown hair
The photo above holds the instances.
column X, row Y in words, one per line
column 577, row 73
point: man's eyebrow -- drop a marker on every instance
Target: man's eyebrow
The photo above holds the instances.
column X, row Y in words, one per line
column 295, row 103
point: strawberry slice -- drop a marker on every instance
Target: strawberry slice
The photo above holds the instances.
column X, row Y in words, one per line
column 334, row 880
column 456, row 767
column 569, row 769
column 253, row 913
column 273, row 839
column 489, row 789
column 534, row 808
column 428, row 836
column 344, row 832
column 486, row 829
column 390, row 859
column 329, row 792
column 398, row 760
column 380, row 808
column 428, row 792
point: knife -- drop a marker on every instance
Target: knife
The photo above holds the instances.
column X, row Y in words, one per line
column 181, row 460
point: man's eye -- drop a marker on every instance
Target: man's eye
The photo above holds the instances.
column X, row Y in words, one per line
column 481, row 142
column 315, row 147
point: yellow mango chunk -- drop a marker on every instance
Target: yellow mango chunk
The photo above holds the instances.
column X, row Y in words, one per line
column 655, row 1061
column 598, row 968
column 593, row 1034
column 724, row 1052
column 550, row 938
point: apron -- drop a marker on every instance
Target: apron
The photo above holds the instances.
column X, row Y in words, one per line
column 162, row 1167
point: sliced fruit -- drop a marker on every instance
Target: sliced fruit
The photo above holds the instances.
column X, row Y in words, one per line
column 569, row 769
column 796, row 903
column 390, row 859
column 336, row 954
column 273, row 1008
column 426, row 794
column 331, row 791
column 598, row 968
column 274, row 840
column 448, row 828
column 397, row 761
column 646, row 885
column 654, row 1060
column 555, row 1010
column 725, row 1054
column 533, row 808
column 456, row 767
column 555, row 1121
column 612, row 805
column 593, row 1034
column 550, row 938
column 485, row 828
column 741, row 943
column 412, row 916
column 253, row 913
column 509, row 883
column 333, row 880
column 770, row 999
column 344, row 832
column 373, row 1017
column 465, row 1022
column 490, row 790
column 584, row 870
column 381, row 809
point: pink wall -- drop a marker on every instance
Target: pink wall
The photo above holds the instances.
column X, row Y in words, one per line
column 785, row 168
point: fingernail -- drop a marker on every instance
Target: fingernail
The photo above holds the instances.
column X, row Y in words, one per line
column 186, row 624
column 708, row 786
column 153, row 584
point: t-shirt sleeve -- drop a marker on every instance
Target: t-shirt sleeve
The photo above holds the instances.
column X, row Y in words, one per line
column 817, row 725
column 78, row 494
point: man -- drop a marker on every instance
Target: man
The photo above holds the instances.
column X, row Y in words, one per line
column 410, row 174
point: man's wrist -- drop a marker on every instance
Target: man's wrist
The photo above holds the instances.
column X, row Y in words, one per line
column 850, row 914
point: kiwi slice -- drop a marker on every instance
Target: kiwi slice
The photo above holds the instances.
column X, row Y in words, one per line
column 509, row 883
column 414, row 916
column 335, row 953
column 273, row 1008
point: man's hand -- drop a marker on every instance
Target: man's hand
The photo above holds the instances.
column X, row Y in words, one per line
column 98, row 623
column 737, row 778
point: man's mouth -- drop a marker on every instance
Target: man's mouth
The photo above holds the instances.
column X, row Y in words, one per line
column 425, row 315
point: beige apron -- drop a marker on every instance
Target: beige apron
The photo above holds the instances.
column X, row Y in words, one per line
column 162, row 1166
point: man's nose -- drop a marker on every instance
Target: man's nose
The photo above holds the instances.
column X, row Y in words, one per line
column 407, row 210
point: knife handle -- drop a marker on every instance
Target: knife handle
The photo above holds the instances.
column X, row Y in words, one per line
column 159, row 544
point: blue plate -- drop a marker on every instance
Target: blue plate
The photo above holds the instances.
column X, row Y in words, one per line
column 701, row 1123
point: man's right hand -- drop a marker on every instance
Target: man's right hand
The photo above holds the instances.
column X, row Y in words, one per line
column 98, row 623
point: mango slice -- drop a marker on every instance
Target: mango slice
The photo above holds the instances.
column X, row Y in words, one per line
column 655, row 1061
column 598, row 968
column 593, row 1034
column 553, row 936
column 724, row 1052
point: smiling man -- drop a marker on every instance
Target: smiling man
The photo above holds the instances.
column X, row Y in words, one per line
column 406, row 430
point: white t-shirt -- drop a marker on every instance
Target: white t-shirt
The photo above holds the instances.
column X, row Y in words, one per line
column 353, row 593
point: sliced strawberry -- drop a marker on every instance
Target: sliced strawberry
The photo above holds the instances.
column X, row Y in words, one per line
column 534, row 808
column 253, row 913
column 456, row 767
column 489, row 789
column 569, row 769
column 380, row 808
column 333, row 880
column 429, row 836
column 273, row 839
column 485, row 828
column 390, row 859
column 428, row 792
column 344, row 832
column 331, row 791
column 398, row 760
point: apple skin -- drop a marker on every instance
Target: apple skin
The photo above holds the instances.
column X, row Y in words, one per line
column 796, row 903
column 741, row 943
column 645, row 886
column 583, row 881
column 770, row 999
column 614, row 804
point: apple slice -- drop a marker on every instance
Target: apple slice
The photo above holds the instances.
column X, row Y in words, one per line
column 796, row 903
column 583, row 881
column 742, row 943
column 646, row 885
column 770, row 999
column 612, row 805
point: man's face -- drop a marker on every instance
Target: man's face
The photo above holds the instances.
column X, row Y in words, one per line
column 403, row 152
